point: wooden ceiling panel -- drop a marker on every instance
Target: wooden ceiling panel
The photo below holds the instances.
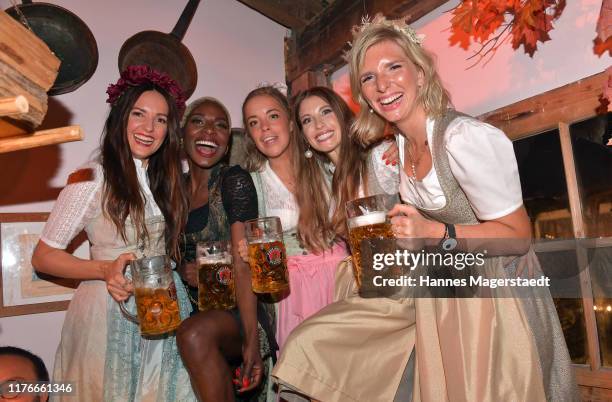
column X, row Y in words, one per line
column 322, row 42
column 293, row 14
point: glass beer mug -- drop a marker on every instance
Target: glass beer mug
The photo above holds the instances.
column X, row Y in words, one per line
column 216, row 289
column 267, row 255
column 155, row 294
column 367, row 219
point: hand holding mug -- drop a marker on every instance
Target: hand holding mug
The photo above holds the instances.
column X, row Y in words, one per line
column 117, row 284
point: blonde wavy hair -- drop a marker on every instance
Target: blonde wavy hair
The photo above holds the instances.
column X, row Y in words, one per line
column 370, row 127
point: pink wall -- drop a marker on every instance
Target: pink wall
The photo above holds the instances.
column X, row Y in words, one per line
column 235, row 49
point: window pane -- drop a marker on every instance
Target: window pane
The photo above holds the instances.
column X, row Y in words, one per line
column 543, row 183
column 593, row 159
column 600, row 268
column 545, row 197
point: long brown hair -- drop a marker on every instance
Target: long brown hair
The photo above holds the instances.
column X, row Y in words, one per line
column 254, row 160
column 316, row 227
column 122, row 195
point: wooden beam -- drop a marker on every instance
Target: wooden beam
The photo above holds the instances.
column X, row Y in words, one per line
column 569, row 103
column 277, row 11
column 14, row 106
column 41, row 138
column 325, row 39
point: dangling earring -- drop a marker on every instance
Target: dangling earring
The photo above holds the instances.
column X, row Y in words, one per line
column 371, row 110
column 181, row 142
column 308, row 153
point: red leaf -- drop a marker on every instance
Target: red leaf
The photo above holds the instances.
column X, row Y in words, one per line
column 460, row 37
column 599, row 47
column 530, row 23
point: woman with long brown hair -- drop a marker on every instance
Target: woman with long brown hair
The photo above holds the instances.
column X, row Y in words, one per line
column 130, row 202
column 352, row 171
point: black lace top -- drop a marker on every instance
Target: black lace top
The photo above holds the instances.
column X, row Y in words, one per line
column 238, row 198
column 231, row 198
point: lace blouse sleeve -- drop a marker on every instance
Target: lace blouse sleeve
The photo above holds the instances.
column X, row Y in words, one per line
column 385, row 176
column 74, row 208
column 238, row 195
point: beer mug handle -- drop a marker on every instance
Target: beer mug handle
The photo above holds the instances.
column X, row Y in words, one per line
column 124, row 309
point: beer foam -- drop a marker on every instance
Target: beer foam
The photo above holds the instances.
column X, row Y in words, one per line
column 265, row 240
column 220, row 259
column 368, row 219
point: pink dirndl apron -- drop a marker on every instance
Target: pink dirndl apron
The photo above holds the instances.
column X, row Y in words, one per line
column 311, row 280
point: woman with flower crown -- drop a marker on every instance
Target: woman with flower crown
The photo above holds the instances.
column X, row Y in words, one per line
column 460, row 179
column 130, row 202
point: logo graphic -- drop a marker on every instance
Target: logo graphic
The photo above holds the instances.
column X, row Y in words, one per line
column 274, row 256
column 224, row 275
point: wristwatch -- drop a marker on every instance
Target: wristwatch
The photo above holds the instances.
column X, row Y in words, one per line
column 449, row 241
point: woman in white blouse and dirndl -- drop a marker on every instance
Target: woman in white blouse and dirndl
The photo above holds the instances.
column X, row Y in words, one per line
column 130, row 202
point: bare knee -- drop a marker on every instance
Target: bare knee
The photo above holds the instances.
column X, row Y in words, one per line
column 196, row 335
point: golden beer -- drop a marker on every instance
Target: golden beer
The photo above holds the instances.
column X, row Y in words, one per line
column 158, row 311
column 216, row 289
column 155, row 296
column 370, row 226
column 268, row 261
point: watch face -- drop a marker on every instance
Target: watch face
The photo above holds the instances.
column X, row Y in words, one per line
column 449, row 244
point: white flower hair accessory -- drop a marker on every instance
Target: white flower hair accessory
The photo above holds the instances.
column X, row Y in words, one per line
column 398, row 25
column 282, row 88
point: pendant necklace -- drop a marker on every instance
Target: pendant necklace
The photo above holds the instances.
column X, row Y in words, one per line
column 414, row 161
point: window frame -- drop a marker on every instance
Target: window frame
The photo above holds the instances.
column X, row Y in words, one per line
column 558, row 109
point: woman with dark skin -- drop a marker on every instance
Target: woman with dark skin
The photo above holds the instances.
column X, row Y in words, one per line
column 221, row 199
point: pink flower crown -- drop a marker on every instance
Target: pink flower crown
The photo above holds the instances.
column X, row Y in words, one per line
column 133, row 76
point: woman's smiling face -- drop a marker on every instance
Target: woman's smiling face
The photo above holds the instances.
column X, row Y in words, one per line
column 147, row 125
column 390, row 82
column 320, row 125
column 207, row 134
